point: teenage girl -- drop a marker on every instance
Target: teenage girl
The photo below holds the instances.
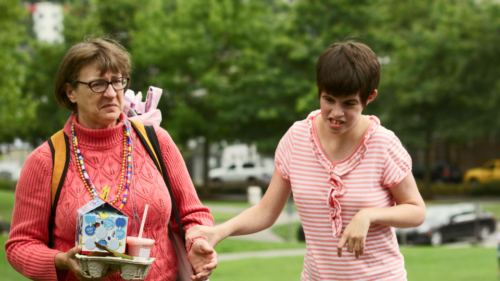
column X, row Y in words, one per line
column 350, row 177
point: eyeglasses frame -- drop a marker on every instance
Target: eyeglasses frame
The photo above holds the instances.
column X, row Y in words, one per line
column 109, row 83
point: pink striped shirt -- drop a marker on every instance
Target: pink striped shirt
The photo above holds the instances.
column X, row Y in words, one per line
column 328, row 194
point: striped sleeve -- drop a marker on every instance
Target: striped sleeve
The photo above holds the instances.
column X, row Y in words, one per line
column 397, row 163
column 283, row 155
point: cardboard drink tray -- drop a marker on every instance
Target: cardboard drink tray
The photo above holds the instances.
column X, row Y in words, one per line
column 95, row 266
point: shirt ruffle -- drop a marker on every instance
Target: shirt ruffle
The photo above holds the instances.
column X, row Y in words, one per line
column 337, row 169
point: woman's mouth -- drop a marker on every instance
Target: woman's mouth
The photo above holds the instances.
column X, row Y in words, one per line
column 107, row 106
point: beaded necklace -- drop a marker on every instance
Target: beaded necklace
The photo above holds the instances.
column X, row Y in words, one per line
column 126, row 165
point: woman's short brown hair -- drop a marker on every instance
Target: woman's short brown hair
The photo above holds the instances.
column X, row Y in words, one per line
column 348, row 68
column 105, row 53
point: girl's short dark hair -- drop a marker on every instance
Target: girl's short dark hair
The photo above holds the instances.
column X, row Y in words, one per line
column 105, row 53
column 348, row 68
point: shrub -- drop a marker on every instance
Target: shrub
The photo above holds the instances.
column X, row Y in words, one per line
column 7, row 184
column 488, row 189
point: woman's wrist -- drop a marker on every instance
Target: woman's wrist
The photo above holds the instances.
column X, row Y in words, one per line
column 61, row 261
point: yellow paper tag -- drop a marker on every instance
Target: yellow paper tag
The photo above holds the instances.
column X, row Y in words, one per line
column 104, row 193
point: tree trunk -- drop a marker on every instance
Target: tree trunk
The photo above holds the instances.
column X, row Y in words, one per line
column 427, row 194
column 206, row 156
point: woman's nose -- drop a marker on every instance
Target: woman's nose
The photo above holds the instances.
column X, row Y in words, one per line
column 110, row 92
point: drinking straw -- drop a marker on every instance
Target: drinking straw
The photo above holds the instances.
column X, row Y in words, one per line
column 143, row 220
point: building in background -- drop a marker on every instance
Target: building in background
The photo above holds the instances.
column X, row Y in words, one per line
column 48, row 22
column 12, row 158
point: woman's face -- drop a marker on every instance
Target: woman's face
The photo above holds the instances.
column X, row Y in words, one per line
column 340, row 114
column 96, row 110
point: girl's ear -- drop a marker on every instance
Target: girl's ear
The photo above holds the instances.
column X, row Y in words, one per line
column 70, row 92
column 371, row 97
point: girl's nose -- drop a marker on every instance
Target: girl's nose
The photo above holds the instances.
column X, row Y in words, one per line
column 337, row 111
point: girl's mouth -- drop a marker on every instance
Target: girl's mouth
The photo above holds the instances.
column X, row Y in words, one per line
column 335, row 123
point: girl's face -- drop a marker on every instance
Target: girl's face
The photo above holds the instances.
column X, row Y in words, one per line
column 340, row 114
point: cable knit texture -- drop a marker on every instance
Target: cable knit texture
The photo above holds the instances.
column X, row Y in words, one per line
column 102, row 151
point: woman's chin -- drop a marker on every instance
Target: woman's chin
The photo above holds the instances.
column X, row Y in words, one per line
column 109, row 119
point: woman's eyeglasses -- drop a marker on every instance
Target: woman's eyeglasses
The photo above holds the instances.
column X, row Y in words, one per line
column 100, row 86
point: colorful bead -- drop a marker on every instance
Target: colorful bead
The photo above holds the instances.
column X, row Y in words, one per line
column 126, row 165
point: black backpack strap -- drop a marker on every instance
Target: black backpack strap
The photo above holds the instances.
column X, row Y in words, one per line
column 59, row 148
column 156, row 155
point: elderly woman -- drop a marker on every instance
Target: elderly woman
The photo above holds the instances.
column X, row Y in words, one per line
column 91, row 82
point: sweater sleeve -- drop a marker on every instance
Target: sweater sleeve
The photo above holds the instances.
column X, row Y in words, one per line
column 191, row 211
column 27, row 249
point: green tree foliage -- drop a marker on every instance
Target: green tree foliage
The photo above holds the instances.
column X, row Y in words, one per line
column 81, row 19
column 441, row 81
column 198, row 51
column 245, row 70
column 16, row 109
column 208, row 56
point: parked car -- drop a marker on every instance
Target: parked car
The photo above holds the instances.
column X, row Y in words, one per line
column 489, row 172
column 10, row 170
column 445, row 223
column 241, row 173
column 440, row 172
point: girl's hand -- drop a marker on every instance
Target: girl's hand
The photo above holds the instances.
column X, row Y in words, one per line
column 210, row 233
column 68, row 261
column 355, row 234
column 203, row 259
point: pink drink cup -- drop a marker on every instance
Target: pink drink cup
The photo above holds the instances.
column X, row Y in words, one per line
column 139, row 247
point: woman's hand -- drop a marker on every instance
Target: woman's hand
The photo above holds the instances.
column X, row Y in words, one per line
column 210, row 233
column 65, row 261
column 355, row 234
column 203, row 259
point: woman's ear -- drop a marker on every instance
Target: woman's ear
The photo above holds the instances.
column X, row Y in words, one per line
column 371, row 97
column 70, row 92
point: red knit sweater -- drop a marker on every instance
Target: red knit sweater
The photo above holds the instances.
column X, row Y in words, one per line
column 102, row 151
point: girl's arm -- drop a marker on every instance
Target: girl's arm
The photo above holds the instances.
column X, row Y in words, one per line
column 408, row 212
column 252, row 220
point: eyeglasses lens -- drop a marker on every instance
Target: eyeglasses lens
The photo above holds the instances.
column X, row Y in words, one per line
column 101, row 86
column 119, row 83
column 98, row 86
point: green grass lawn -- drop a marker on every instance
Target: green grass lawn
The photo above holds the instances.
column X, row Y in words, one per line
column 232, row 245
column 6, row 204
column 8, row 273
column 283, row 268
column 422, row 264
column 282, row 230
column 493, row 207
column 222, row 217
column 241, row 204
column 428, row 263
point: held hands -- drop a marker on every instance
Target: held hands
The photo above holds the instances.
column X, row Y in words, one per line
column 203, row 259
column 207, row 232
column 355, row 234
